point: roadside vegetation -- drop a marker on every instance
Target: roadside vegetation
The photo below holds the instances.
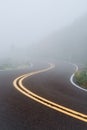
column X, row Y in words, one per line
column 5, row 66
column 81, row 78
column 13, row 66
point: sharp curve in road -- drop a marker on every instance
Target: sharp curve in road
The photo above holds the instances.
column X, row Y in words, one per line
column 72, row 77
column 20, row 87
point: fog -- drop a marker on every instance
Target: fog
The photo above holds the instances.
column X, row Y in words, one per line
column 27, row 26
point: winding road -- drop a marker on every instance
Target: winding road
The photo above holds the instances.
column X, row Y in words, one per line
column 56, row 104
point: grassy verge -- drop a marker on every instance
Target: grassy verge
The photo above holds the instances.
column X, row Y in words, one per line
column 11, row 66
column 81, row 78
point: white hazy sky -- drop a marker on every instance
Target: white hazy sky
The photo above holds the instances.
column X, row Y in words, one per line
column 27, row 21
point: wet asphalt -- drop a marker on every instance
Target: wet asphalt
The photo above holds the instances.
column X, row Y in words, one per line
column 18, row 112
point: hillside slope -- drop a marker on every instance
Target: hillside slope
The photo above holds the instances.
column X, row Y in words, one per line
column 70, row 43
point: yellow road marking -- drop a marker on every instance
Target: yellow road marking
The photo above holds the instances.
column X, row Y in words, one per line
column 19, row 86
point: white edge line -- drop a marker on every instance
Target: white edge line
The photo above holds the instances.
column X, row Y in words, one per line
column 71, row 79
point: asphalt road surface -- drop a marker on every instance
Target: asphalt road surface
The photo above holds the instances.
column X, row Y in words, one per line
column 18, row 112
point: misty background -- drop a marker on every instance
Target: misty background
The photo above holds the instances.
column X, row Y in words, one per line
column 43, row 29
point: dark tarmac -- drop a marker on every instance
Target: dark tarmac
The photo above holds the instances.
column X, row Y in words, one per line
column 17, row 112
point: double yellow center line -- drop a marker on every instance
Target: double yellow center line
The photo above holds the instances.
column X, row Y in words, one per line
column 20, row 87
